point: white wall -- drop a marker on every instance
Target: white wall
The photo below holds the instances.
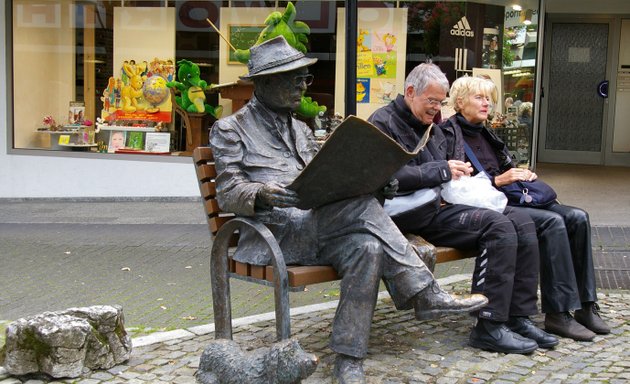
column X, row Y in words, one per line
column 49, row 176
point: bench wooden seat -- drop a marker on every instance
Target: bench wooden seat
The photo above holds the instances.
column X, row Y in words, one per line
column 224, row 228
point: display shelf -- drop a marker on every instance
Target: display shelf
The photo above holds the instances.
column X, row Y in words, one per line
column 63, row 129
column 124, row 128
column 55, row 135
column 57, row 132
column 71, row 145
column 139, row 152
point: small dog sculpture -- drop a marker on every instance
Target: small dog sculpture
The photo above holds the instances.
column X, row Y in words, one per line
column 285, row 362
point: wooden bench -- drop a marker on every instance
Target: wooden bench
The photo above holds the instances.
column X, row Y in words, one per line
column 224, row 227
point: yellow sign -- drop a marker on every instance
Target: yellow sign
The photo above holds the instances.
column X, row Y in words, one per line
column 64, row 139
column 365, row 64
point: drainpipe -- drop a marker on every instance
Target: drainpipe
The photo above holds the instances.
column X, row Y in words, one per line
column 351, row 58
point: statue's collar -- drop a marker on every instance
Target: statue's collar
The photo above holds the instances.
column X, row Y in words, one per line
column 267, row 116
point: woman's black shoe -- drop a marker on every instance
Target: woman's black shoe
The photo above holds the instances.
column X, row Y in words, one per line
column 525, row 327
column 497, row 337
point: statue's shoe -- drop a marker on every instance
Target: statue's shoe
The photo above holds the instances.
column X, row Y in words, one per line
column 433, row 302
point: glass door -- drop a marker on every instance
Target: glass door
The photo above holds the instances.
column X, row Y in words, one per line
column 574, row 99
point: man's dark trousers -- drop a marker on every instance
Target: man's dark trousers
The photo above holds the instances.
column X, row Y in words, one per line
column 506, row 270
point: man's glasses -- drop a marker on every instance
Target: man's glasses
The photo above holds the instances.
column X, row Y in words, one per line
column 436, row 103
column 306, row 79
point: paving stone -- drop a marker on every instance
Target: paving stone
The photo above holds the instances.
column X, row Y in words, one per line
column 100, row 375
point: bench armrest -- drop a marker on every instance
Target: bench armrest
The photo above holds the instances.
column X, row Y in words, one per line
column 220, row 277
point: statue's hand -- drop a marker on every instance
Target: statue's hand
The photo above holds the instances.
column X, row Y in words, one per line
column 389, row 190
column 275, row 195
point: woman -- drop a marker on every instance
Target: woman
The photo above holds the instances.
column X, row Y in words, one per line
column 567, row 276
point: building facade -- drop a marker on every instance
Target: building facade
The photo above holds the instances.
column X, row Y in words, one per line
column 88, row 111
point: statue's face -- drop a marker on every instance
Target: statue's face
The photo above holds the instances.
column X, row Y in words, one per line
column 283, row 92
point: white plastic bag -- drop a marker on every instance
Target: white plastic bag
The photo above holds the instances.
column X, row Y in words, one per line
column 405, row 203
column 476, row 191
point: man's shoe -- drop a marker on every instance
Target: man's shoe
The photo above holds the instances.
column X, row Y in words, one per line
column 563, row 324
column 589, row 317
column 433, row 302
column 497, row 337
column 348, row 370
column 526, row 328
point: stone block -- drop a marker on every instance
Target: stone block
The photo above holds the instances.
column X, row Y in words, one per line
column 62, row 344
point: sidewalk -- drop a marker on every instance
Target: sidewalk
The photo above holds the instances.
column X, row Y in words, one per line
column 402, row 350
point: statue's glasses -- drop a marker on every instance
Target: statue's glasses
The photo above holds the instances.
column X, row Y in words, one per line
column 306, row 79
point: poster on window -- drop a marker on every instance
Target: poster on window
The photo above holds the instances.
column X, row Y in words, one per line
column 381, row 42
column 144, row 61
column 363, row 90
column 139, row 92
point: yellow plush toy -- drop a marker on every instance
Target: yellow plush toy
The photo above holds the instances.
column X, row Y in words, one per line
column 133, row 91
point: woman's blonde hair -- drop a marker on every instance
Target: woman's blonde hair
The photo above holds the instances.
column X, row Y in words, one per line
column 465, row 86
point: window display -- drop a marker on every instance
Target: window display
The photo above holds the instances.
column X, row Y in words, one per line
column 154, row 75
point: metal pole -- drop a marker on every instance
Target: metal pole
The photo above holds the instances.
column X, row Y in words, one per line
column 540, row 38
column 351, row 58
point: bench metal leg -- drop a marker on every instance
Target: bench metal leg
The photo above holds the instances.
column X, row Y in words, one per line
column 219, row 277
column 221, row 285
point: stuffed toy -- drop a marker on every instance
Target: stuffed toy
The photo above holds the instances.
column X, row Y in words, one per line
column 295, row 32
column 191, row 87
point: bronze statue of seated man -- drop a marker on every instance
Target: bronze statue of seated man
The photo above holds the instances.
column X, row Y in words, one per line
column 262, row 148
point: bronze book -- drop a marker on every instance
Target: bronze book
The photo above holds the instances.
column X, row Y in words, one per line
column 357, row 159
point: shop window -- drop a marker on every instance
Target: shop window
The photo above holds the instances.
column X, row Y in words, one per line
column 109, row 62
column 88, row 73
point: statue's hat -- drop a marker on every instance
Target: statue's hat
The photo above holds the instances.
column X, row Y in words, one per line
column 274, row 56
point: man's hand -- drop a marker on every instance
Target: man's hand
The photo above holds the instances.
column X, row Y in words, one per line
column 459, row 169
column 514, row 174
column 275, row 195
column 389, row 190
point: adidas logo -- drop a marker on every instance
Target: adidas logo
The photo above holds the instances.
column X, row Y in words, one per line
column 462, row 28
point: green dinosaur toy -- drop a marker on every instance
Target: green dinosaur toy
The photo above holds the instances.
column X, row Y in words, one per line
column 280, row 24
column 191, row 87
column 295, row 32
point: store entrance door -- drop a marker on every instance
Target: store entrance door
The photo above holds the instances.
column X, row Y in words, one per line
column 574, row 104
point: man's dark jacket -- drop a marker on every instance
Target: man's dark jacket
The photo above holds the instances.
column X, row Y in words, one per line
column 427, row 170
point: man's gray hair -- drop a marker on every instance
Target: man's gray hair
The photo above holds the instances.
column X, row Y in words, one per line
column 425, row 74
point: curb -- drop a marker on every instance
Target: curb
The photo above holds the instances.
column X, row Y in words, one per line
column 200, row 330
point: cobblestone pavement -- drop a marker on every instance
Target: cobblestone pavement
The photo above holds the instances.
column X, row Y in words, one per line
column 153, row 260
column 402, row 350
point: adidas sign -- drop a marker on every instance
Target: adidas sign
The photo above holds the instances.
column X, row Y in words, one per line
column 462, row 28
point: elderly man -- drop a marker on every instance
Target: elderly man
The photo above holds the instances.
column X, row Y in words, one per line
column 259, row 150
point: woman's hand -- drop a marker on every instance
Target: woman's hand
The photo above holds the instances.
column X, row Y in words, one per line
column 459, row 169
column 514, row 174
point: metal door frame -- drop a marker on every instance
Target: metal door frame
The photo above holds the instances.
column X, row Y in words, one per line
column 562, row 156
column 612, row 158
